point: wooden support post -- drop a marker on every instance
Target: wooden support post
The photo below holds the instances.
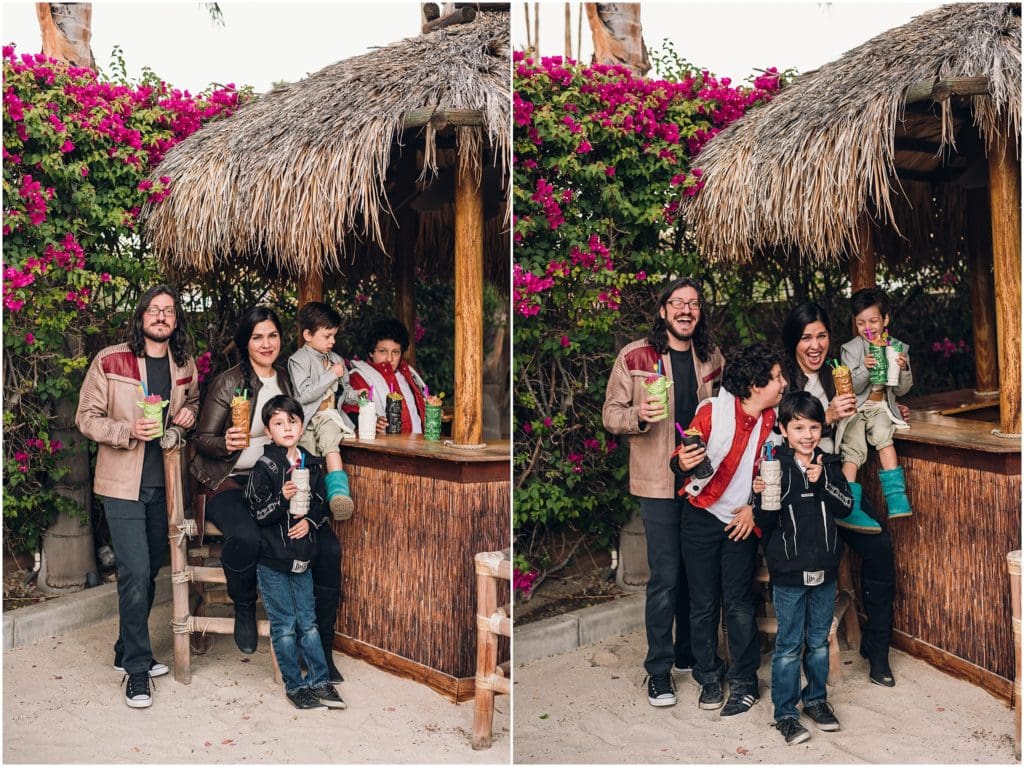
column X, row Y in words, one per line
column 486, row 565
column 179, row 589
column 864, row 263
column 982, row 291
column 405, row 276
column 1004, row 192
column 469, row 298
column 310, row 288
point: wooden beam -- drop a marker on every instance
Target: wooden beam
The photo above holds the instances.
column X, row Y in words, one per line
column 430, row 11
column 982, row 291
column 863, row 264
column 940, row 90
column 1004, row 193
column 310, row 288
column 405, row 276
column 469, row 299
column 442, row 118
column 460, row 16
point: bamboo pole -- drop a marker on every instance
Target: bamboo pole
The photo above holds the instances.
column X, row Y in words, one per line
column 469, row 298
column 982, row 292
column 179, row 588
column 568, row 32
column 1004, row 192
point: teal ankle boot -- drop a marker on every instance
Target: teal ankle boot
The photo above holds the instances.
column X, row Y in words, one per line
column 894, row 488
column 337, row 495
column 858, row 519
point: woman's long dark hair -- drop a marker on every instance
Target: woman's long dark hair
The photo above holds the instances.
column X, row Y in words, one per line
column 180, row 344
column 703, row 341
column 246, row 324
column 792, row 329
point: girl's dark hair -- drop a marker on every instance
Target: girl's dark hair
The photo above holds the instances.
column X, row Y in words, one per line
column 703, row 341
column 792, row 329
column 180, row 344
column 246, row 325
column 285, row 404
column 387, row 330
column 800, row 404
column 750, row 366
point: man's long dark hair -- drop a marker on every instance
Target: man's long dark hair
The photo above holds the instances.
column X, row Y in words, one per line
column 180, row 344
column 792, row 329
column 703, row 341
column 246, row 324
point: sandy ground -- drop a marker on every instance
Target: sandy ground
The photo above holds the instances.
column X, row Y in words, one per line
column 62, row 703
column 590, row 706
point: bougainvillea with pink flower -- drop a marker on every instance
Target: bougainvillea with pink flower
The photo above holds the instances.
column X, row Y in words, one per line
column 77, row 149
column 602, row 160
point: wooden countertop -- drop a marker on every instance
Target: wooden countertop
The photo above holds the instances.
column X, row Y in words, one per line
column 413, row 445
column 931, row 422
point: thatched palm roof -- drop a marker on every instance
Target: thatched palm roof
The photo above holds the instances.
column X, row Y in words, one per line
column 298, row 181
column 795, row 176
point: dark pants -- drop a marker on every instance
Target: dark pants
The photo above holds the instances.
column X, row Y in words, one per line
column 138, row 533
column 668, row 594
column 878, row 588
column 230, row 512
column 718, row 568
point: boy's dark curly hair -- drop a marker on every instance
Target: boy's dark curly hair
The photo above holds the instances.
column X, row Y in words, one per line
column 388, row 329
column 750, row 366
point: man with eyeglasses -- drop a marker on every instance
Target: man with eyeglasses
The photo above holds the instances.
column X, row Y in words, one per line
column 680, row 346
column 129, row 477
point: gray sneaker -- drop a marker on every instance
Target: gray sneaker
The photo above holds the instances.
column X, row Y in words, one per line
column 792, row 731
column 304, row 697
column 327, row 695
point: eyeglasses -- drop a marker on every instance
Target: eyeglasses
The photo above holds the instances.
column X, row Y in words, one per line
column 156, row 311
column 679, row 303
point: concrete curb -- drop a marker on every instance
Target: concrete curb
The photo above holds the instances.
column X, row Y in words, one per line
column 69, row 612
column 578, row 628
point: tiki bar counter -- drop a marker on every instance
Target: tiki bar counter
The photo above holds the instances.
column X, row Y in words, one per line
column 905, row 152
column 423, row 511
column 952, row 604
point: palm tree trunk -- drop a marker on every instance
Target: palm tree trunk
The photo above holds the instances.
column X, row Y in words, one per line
column 618, row 35
column 67, row 32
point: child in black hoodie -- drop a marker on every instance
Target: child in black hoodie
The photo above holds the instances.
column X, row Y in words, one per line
column 289, row 518
column 803, row 551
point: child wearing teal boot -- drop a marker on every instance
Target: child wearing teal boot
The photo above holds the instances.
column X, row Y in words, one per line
column 877, row 416
column 316, row 373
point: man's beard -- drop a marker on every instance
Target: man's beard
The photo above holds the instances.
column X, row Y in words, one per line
column 148, row 333
column 679, row 336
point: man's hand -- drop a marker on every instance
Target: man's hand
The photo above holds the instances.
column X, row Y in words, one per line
column 184, row 418
column 145, row 429
column 300, row 529
column 689, row 456
column 651, row 410
column 742, row 524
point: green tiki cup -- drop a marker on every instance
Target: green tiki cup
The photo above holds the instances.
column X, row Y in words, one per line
column 155, row 410
column 658, row 389
column 880, row 372
column 432, row 423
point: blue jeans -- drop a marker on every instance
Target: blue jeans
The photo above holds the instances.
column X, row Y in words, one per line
column 718, row 570
column 138, row 533
column 802, row 611
column 288, row 600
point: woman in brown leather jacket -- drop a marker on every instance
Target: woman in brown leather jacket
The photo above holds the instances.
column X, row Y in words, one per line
column 222, row 466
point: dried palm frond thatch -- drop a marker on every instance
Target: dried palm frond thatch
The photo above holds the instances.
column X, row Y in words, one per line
column 797, row 174
column 297, row 181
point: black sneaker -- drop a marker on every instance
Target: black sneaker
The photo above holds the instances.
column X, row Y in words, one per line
column 327, row 695
column 156, row 668
column 711, row 696
column 136, row 691
column 304, row 697
column 821, row 713
column 792, row 731
column 660, row 690
column 740, row 701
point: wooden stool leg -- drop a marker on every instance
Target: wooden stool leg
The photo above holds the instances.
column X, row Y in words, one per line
column 851, row 623
column 835, row 661
column 486, row 660
column 179, row 588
